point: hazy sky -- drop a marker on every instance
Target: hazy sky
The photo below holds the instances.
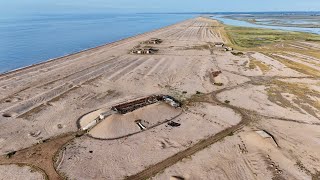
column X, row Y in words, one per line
column 63, row 6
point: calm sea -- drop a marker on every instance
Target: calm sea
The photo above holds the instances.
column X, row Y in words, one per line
column 27, row 40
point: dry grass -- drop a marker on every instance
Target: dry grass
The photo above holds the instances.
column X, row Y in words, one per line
column 246, row 37
column 302, row 96
column 302, row 68
column 258, row 64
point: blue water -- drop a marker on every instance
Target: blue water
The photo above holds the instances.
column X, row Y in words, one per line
column 233, row 22
column 27, row 40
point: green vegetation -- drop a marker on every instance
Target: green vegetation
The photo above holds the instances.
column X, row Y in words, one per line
column 253, row 37
column 315, row 40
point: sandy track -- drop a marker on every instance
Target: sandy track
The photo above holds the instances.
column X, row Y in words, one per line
column 154, row 169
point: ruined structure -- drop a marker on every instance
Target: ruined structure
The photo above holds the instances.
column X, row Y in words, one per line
column 216, row 73
column 218, row 44
column 127, row 107
column 153, row 41
column 267, row 136
column 136, row 104
column 213, row 75
column 144, row 50
column 228, row 49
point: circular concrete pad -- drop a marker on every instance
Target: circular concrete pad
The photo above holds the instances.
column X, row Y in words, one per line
column 117, row 125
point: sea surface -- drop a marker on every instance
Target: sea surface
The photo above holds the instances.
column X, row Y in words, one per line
column 26, row 40
column 31, row 39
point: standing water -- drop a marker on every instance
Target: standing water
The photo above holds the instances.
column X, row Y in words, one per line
column 234, row 22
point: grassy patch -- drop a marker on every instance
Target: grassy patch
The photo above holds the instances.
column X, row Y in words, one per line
column 313, row 40
column 254, row 37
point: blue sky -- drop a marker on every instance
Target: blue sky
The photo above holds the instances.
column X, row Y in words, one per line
column 85, row 6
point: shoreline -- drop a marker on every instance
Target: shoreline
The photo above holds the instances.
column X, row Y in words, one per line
column 259, row 87
column 3, row 74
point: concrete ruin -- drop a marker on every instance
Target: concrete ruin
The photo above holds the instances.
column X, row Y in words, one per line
column 141, row 126
column 219, row 44
column 228, row 49
column 153, row 41
column 216, row 73
column 136, row 104
column 266, row 135
column 144, row 50
column 213, row 77
column 101, row 117
column 127, row 107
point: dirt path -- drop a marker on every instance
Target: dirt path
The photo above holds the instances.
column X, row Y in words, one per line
column 247, row 116
column 40, row 156
column 152, row 170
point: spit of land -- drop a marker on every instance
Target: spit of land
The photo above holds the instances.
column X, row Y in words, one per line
column 250, row 108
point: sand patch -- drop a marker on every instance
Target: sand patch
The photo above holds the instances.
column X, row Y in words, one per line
column 18, row 172
column 132, row 154
column 257, row 98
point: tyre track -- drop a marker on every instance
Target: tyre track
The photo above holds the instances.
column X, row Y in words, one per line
column 52, row 80
column 55, row 62
column 60, row 82
column 32, row 103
